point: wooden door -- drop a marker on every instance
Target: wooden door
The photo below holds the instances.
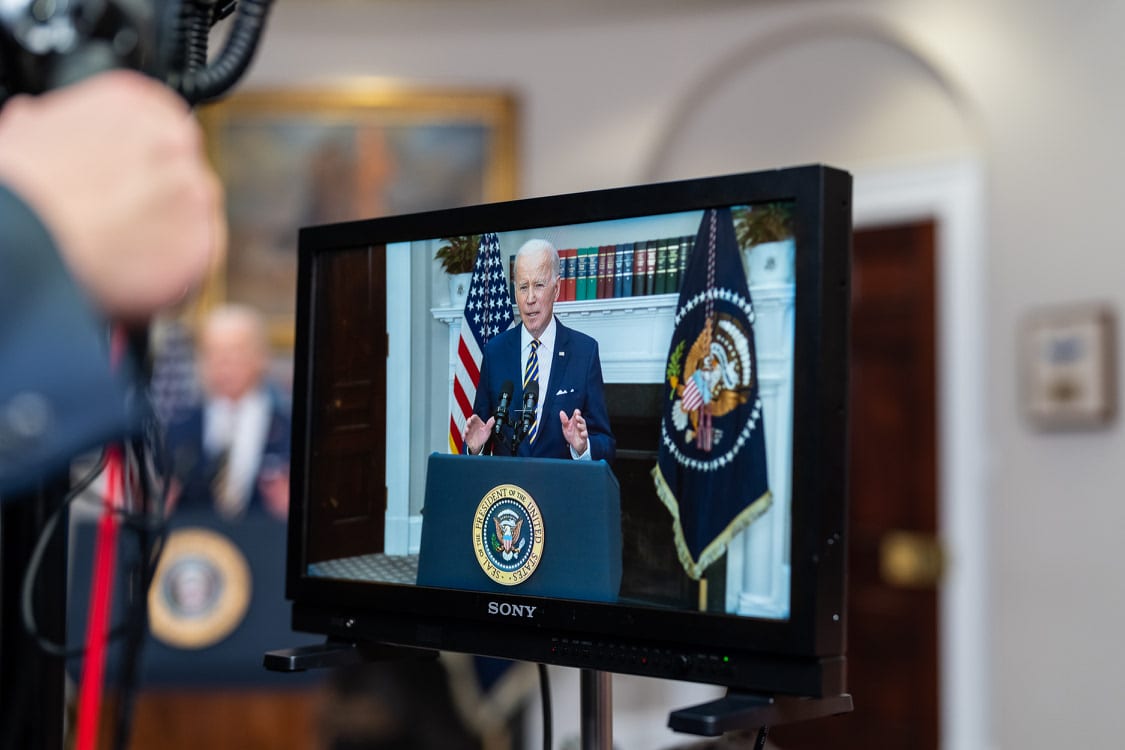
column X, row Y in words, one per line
column 892, row 615
column 347, row 471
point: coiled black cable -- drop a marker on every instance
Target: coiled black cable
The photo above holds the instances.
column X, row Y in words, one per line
column 212, row 80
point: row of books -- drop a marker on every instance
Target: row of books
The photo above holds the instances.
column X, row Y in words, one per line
column 628, row 269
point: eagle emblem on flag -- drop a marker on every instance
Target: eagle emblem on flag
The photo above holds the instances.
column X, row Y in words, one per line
column 716, row 378
column 711, row 471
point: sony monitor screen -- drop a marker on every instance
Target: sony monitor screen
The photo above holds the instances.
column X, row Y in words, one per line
column 611, row 436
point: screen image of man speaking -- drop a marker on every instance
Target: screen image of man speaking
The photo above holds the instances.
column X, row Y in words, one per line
column 568, row 417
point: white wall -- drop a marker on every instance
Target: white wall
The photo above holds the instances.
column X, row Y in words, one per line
column 1033, row 90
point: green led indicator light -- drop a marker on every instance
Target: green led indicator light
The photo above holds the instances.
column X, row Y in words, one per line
column 726, row 659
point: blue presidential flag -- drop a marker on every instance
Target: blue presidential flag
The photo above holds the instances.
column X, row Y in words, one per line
column 711, row 472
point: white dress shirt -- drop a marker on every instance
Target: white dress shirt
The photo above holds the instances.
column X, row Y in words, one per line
column 546, row 355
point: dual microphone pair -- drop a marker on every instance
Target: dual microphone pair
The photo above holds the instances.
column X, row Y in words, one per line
column 526, row 416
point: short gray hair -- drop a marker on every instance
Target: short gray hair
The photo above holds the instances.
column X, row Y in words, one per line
column 236, row 315
column 532, row 247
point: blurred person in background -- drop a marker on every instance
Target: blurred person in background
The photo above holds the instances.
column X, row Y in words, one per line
column 230, row 452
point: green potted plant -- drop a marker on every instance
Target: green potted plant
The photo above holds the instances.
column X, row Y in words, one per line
column 457, row 256
column 765, row 235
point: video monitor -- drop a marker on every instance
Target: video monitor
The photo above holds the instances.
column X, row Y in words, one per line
column 661, row 486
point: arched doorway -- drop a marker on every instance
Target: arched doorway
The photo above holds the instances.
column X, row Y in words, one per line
column 850, row 93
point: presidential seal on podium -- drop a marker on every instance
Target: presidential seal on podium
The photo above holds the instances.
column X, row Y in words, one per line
column 508, row 534
column 201, row 590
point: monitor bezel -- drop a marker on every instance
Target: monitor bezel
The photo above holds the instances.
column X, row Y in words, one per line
column 814, row 632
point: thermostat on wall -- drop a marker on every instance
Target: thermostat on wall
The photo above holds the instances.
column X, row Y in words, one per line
column 1068, row 367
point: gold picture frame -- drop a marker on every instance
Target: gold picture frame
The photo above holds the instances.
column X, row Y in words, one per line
column 293, row 158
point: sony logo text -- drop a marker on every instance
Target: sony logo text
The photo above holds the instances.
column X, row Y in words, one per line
column 511, row 610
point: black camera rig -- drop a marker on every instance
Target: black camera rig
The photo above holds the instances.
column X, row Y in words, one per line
column 45, row 44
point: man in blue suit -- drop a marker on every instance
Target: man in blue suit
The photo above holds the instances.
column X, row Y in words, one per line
column 231, row 452
column 571, row 420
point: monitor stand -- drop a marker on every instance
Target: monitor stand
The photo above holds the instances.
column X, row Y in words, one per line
column 596, row 705
column 337, row 653
column 596, row 699
column 737, row 711
column 740, row 711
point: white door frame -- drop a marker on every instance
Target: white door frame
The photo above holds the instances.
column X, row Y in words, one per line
column 951, row 193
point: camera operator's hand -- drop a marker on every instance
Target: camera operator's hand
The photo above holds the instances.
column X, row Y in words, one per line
column 115, row 167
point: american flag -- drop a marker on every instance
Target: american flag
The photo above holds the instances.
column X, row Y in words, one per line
column 488, row 312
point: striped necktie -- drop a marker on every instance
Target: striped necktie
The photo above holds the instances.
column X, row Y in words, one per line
column 530, row 373
column 227, row 498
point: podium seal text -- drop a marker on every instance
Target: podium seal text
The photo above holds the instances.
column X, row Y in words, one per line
column 508, row 534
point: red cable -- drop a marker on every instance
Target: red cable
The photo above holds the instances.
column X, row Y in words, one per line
column 101, row 596
column 101, row 589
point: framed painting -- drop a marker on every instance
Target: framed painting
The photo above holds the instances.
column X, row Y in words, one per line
column 289, row 159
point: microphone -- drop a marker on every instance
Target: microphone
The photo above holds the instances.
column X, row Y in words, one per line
column 530, row 400
column 501, row 413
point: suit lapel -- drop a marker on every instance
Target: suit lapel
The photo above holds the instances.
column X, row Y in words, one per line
column 559, row 363
column 514, row 354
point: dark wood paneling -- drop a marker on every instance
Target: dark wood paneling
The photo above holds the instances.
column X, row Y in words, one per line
column 220, row 719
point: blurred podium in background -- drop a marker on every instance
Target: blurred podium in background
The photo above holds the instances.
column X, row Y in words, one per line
column 216, row 604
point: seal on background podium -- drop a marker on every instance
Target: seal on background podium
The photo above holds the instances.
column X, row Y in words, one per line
column 201, row 590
